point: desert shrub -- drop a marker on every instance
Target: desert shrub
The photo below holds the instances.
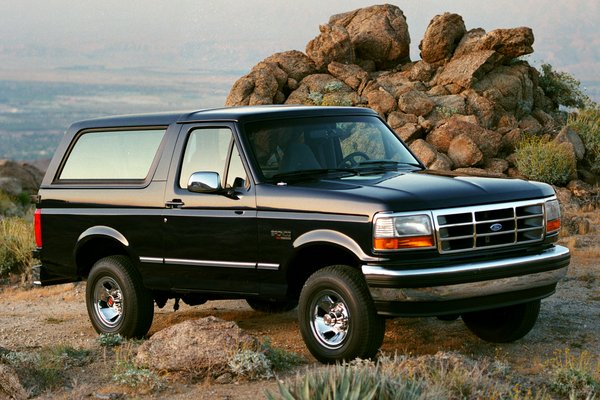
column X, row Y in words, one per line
column 281, row 360
column 16, row 243
column 576, row 377
column 347, row 381
column 126, row 373
column 45, row 369
column 250, row 364
column 562, row 88
column 543, row 160
column 110, row 339
column 587, row 124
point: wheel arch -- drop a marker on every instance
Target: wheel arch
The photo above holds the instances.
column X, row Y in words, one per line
column 98, row 242
column 318, row 249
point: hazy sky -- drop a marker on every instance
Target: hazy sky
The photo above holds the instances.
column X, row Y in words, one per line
column 234, row 35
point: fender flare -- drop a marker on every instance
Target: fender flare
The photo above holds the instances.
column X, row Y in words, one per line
column 333, row 237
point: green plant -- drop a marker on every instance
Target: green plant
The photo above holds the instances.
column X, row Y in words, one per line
column 577, row 377
column 110, row 339
column 586, row 123
column 280, row 359
column 543, row 160
column 347, row 381
column 126, row 373
column 16, row 244
column 562, row 88
column 250, row 364
column 45, row 369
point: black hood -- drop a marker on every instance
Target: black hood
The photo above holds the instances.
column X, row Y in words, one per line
column 399, row 191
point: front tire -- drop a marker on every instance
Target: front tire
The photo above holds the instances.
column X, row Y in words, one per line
column 503, row 325
column 116, row 300
column 337, row 316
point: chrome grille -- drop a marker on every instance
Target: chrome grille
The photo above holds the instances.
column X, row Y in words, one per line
column 496, row 225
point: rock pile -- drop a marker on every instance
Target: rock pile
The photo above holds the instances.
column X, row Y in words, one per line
column 464, row 106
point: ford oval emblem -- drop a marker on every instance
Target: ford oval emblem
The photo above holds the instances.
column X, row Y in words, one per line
column 496, row 227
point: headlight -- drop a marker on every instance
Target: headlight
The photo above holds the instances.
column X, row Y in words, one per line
column 402, row 232
column 552, row 216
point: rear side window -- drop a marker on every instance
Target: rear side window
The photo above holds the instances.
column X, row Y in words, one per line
column 112, row 155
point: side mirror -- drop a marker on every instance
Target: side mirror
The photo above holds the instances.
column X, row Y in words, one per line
column 204, row 182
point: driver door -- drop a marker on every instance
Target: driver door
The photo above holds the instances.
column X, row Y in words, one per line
column 210, row 238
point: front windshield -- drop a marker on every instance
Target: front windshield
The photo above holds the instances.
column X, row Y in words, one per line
column 334, row 143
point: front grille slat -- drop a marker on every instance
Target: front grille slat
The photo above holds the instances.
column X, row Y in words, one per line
column 492, row 226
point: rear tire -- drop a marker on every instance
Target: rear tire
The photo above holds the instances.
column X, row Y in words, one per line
column 116, row 300
column 503, row 325
column 337, row 316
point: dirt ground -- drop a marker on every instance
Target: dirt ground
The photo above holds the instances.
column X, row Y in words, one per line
column 37, row 318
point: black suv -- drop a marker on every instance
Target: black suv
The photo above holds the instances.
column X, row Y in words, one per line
column 323, row 208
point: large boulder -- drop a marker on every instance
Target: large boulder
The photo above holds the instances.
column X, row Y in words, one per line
column 333, row 44
column 271, row 80
column 511, row 43
column 463, row 152
column 199, row 347
column 441, row 37
column 415, row 102
column 20, row 177
column 468, row 69
column 378, row 33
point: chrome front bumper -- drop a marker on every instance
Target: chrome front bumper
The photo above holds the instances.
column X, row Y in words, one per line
column 385, row 284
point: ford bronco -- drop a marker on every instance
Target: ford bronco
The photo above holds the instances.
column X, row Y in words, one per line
column 320, row 208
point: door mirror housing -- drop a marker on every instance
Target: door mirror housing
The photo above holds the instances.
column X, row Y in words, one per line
column 204, row 182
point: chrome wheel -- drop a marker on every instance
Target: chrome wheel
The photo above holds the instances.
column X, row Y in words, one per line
column 108, row 301
column 330, row 320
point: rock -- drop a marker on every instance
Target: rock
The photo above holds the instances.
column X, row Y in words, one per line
column 381, row 101
column 483, row 108
column 478, row 172
column 397, row 119
column 323, row 89
column 10, row 186
column 530, row 125
column 567, row 134
column 511, row 43
column 17, row 174
column 424, row 151
column 487, row 141
column 579, row 188
column 409, row 132
column 10, row 385
column 266, row 83
column 351, row 74
column 511, row 139
column 464, row 152
column 396, row 83
column 442, row 163
column 422, row 71
column 510, row 87
column 415, row 102
column 470, row 42
column 295, row 64
column 466, row 70
column 496, row 165
column 378, row 33
column 441, row 37
column 198, row 347
column 333, row 44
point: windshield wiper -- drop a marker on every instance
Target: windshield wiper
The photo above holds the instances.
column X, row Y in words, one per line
column 382, row 165
column 314, row 173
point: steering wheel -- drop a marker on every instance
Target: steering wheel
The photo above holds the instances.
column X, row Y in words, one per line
column 351, row 160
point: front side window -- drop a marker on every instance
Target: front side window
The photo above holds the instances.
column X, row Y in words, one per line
column 209, row 149
column 112, row 155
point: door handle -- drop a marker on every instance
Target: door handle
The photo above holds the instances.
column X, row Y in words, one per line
column 175, row 203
